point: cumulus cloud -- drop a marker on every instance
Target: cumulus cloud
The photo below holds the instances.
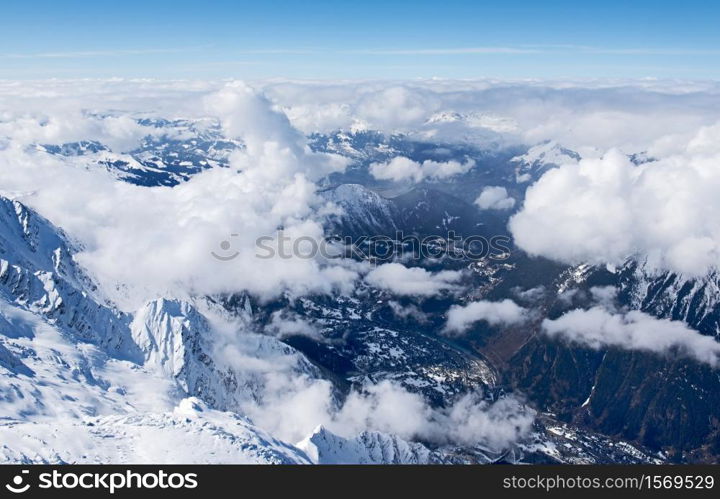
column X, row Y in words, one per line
column 599, row 328
column 285, row 395
column 293, row 413
column 586, row 116
column 409, row 311
column 274, row 148
column 141, row 243
column 469, row 421
column 402, row 168
column 119, row 133
column 608, row 209
column 505, row 312
column 604, row 296
column 412, row 281
column 147, row 242
column 532, row 295
column 396, row 107
column 283, row 324
column 497, row 425
column 494, row 198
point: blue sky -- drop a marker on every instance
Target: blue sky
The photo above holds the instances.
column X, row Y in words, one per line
column 370, row 39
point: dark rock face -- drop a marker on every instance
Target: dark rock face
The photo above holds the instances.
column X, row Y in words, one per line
column 662, row 402
column 631, row 396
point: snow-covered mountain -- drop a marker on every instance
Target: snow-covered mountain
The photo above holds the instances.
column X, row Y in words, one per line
column 694, row 300
column 362, row 211
column 324, row 447
column 82, row 381
column 154, row 378
column 172, row 152
column 38, row 274
column 540, row 158
column 189, row 434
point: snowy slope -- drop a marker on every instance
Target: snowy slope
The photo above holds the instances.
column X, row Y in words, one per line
column 172, row 382
column 39, row 274
column 190, row 434
column 540, row 158
column 75, row 372
column 324, row 447
column 693, row 300
column 361, row 211
column 171, row 153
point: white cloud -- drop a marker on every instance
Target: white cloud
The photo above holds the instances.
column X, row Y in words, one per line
column 119, row 133
column 494, row 198
column 608, row 209
column 532, row 295
column 587, row 116
column 396, row 107
column 146, row 242
column 505, row 312
column 142, row 243
column 290, row 402
column 413, row 281
column 290, row 405
column 283, row 324
column 274, row 148
column 408, row 311
column 468, row 421
column 498, row 424
column 402, row 168
column 598, row 328
column 604, row 296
